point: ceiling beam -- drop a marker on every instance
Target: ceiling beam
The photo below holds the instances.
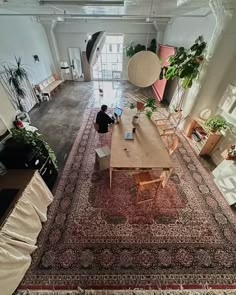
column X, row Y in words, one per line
column 101, row 16
column 83, row 3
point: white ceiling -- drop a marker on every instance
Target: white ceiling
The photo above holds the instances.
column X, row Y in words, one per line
column 132, row 8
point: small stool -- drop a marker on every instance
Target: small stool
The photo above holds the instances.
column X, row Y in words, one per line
column 103, row 157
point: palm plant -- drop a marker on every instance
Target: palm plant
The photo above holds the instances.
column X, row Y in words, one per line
column 16, row 75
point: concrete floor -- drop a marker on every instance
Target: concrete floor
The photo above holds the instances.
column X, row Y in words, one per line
column 59, row 119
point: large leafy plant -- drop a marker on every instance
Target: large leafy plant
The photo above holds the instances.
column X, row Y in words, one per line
column 16, row 74
column 217, row 123
column 185, row 63
column 133, row 49
column 35, row 140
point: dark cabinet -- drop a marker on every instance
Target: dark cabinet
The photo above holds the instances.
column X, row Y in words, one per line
column 16, row 155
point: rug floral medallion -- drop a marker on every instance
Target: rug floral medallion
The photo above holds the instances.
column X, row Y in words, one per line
column 97, row 237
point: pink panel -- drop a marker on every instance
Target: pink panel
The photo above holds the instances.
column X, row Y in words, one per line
column 159, row 85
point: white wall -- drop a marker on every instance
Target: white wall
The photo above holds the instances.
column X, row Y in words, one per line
column 7, row 111
column 183, row 31
column 75, row 35
column 23, row 36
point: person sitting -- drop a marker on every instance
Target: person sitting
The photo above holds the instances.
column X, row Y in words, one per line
column 103, row 120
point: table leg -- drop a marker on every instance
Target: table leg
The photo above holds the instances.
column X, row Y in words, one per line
column 166, row 175
column 110, row 176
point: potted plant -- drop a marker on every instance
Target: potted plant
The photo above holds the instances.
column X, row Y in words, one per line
column 153, row 46
column 16, row 75
column 185, row 63
column 149, row 107
column 132, row 49
column 35, row 140
column 231, row 153
column 216, row 124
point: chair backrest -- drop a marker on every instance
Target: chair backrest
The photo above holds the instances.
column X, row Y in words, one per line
column 175, row 117
column 174, row 145
column 96, row 126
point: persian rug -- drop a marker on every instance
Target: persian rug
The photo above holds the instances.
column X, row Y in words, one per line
column 131, row 292
column 98, row 238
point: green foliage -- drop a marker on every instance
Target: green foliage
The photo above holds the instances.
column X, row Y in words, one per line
column 232, row 151
column 132, row 50
column 35, row 140
column 132, row 106
column 185, row 63
column 151, row 103
column 149, row 107
column 153, row 46
column 16, row 75
column 148, row 114
column 217, row 123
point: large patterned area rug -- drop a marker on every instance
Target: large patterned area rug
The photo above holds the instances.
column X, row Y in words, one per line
column 97, row 237
column 129, row 292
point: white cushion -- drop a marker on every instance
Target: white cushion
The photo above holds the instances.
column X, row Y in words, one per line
column 51, row 79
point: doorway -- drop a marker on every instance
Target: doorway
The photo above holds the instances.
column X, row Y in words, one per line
column 76, row 64
column 110, row 62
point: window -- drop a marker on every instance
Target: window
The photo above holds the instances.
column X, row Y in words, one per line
column 109, row 64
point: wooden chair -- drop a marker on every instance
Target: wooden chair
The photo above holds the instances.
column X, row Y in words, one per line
column 146, row 181
column 96, row 126
column 102, row 136
column 174, row 145
column 168, row 126
column 166, row 174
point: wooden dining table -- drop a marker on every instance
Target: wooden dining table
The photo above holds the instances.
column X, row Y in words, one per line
column 145, row 152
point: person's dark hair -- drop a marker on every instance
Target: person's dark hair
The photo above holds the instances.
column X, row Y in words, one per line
column 104, row 107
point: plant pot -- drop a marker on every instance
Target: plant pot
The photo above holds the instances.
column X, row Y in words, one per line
column 229, row 157
column 135, row 119
column 140, row 106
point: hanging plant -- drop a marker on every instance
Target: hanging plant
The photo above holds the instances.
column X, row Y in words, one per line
column 185, row 63
column 132, row 50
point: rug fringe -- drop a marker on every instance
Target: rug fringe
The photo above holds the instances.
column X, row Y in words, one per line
column 128, row 292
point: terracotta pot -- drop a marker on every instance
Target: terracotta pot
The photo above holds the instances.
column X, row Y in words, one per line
column 140, row 106
column 229, row 157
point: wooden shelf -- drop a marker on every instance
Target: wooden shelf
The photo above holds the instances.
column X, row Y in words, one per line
column 207, row 144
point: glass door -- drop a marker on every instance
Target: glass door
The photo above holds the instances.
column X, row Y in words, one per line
column 110, row 62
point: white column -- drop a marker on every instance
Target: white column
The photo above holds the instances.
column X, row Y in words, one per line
column 55, row 47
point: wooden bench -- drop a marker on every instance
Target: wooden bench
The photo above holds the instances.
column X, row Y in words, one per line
column 50, row 85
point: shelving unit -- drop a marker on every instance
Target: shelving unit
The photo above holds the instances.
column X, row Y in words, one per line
column 207, row 143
